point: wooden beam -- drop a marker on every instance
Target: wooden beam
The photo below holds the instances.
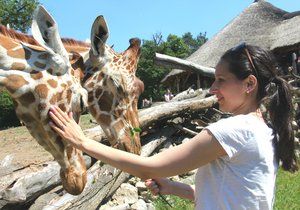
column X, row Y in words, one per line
column 177, row 63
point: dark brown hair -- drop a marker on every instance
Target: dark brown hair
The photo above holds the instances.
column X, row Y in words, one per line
column 273, row 92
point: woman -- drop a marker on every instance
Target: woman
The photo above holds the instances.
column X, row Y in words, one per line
column 236, row 158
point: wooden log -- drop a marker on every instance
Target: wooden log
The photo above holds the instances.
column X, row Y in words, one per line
column 168, row 109
column 28, row 183
column 25, row 188
column 177, row 63
column 190, row 93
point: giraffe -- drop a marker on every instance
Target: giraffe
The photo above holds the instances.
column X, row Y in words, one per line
column 113, row 89
column 38, row 73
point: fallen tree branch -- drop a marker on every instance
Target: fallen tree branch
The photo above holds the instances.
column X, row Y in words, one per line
column 177, row 63
column 169, row 109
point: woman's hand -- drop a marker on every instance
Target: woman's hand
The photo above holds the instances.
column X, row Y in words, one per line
column 66, row 127
column 159, row 185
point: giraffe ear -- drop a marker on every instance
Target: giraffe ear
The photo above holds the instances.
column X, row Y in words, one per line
column 99, row 35
column 45, row 31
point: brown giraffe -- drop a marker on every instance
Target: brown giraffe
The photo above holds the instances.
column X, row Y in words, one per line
column 37, row 75
column 109, row 77
column 113, row 89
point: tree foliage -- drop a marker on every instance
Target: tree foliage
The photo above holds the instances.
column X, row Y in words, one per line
column 17, row 13
column 150, row 74
column 7, row 115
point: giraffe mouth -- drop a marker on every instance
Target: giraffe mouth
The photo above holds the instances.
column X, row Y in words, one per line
column 73, row 181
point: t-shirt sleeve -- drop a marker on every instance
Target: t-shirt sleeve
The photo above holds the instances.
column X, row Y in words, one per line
column 231, row 133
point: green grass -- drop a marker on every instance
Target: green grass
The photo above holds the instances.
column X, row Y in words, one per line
column 287, row 195
column 176, row 203
column 85, row 122
column 287, row 191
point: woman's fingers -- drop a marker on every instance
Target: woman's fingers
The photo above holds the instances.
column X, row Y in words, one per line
column 152, row 186
column 57, row 129
column 62, row 116
column 59, row 117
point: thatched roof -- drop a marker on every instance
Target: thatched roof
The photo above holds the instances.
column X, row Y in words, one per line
column 260, row 24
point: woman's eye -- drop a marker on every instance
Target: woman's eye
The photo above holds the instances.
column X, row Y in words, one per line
column 219, row 80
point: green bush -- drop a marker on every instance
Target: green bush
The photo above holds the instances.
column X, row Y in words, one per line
column 8, row 116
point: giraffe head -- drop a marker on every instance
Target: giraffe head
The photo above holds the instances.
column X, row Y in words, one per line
column 113, row 89
column 39, row 74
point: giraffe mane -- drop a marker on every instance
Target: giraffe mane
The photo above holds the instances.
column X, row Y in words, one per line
column 11, row 33
column 17, row 35
column 73, row 42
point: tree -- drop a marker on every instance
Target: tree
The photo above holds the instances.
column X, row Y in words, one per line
column 194, row 44
column 17, row 13
column 151, row 74
column 8, row 116
column 175, row 46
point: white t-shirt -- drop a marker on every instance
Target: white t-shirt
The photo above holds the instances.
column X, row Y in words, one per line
column 245, row 177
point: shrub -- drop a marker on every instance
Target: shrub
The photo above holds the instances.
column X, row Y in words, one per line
column 7, row 115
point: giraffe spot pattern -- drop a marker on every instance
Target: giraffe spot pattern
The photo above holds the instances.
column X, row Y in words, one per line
column 42, row 90
column 18, row 66
column 62, row 107
column 69, row 95
column 93, row 110
column 26, row 99
column 14, row 82
column 36, row 75
column 91, row 85
column 98, row 92
column 105, row 102
column 105, row 119
column 42, row 106
column 90, row 97
column 53, row 99
column 19, row 53
column 52, row 83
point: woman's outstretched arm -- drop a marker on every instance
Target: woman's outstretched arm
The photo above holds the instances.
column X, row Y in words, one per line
column 199, row 151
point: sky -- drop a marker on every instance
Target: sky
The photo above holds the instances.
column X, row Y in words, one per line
column 143, row 18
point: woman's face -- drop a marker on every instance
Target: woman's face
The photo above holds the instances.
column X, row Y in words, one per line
column 231, row 92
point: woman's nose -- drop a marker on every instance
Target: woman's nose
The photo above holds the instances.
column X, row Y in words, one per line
column 213, row 88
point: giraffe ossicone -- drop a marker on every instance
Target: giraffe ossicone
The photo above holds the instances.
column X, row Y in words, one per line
column 49, row 72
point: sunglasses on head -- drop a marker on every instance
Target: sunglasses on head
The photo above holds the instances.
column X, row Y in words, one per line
column 243, row 46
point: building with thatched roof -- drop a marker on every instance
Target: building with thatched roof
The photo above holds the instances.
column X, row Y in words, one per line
column 261, row 24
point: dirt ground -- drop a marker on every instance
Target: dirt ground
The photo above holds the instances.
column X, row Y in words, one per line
column 22, row 148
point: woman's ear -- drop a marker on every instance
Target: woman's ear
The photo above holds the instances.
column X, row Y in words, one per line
column 251, row 83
